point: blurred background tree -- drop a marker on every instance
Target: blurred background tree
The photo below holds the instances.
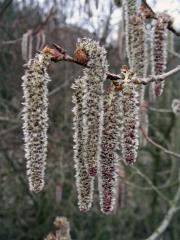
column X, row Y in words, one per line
column 148, row 187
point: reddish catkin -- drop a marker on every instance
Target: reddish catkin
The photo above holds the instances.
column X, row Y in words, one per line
column 130, row 121
column 84, row 182
column 93, row 78
column 35, row 118
column 108, row 165
column 159, row 51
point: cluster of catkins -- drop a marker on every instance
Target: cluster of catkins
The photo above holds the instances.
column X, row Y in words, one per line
column 35, row 118
column 98, row 128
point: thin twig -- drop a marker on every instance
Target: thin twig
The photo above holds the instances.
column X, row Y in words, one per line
column 168, row 217
column 160, row 110
column 152, row 185
column 153, row 15
column 5, row 6
column 159, row 146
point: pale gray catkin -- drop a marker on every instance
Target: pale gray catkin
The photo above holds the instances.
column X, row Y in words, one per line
column 35, row 119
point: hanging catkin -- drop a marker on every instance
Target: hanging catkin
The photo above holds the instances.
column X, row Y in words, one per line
column 35, row 119
column 130, row 10
column 26, row 45
column 159, row 51
column 93, row 78
column 139, row 46
column 130, row 122
column 84, row 182
column 108, row 164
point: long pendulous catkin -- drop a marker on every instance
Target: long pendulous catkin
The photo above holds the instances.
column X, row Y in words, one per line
column 93, row 78
column 130, row 10
column 84, row 182
column 130, row 121
column 159, row 51
column 35, row 119
column 108, row 164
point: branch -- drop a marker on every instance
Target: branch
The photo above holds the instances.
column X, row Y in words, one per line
column 44, row 23
column 152, row 14
column 60, row 54
column 5, row 7
column 167, row 219
column 159, row 146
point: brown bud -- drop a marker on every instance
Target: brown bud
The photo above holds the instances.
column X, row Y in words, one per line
column 81, row 56
column 56, row 56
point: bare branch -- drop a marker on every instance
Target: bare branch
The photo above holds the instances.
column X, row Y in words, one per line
column 152, row 14
column 157, row 78
column 167, row 219
column 59, row 54
column 159, row 146
column 5, row 6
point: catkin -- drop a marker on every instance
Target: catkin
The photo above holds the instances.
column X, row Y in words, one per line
column 176, row 106
column 93, row 78
column 24, row 46
column 35, row 119
column 130, row 10
column 130, row 122
column 159, row 51
column 108, row 164
column 62, row 228
column 139, row 46
column 84, row 182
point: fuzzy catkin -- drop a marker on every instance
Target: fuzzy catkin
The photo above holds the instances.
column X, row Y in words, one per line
column 130, row 10
column 130, row 122
column 93, row 78
column 84, row 182
column 35, row 119
column 108, row 164
column 139, row 46
column 159, row 51
column 62, row 228
column 176, row 106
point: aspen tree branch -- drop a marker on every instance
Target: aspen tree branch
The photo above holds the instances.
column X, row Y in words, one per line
column 60, row 54
column 158, row 78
